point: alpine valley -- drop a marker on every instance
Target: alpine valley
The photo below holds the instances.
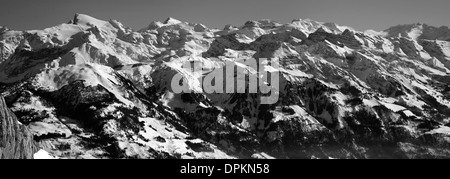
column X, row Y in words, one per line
column 91, row 88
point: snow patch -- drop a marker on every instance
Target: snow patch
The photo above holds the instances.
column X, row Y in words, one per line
column 441, row 130
column 393, row 107
column 42, row 154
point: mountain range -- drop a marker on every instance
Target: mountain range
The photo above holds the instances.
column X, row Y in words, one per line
column 91, row 88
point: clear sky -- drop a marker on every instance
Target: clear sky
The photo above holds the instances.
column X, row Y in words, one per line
column 360, row 14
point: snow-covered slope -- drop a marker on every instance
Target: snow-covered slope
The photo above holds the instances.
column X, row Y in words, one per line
column 96, row 89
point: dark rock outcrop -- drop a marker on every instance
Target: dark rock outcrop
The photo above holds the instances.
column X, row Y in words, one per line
column 16, row 141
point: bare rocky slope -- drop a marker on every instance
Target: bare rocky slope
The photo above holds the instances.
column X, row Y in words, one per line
column 96, row 89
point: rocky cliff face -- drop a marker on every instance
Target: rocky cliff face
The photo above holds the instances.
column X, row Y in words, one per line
column 16, row 141
column 96, row 89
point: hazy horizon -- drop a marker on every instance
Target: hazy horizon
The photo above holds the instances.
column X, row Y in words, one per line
column 359, row 14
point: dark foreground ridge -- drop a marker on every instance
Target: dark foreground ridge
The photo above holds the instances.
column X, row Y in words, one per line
column 16, row 141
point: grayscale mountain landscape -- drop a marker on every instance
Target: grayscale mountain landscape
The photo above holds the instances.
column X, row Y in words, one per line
column 94, row 88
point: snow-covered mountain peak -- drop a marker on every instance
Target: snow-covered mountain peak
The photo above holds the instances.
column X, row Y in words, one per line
column 337, row 28
column 263, row 23
column 153, row 25
column 86, row 20
column 309, row 26
column 171, row 21
column 306, row 25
